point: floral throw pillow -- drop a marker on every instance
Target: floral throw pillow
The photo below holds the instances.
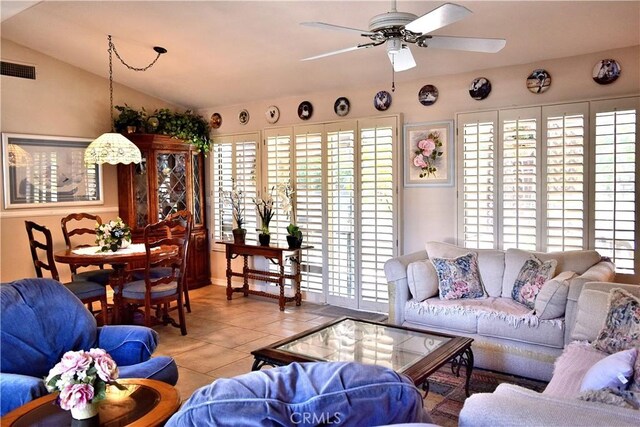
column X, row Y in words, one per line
column 621, row 329
column 459, row 277
column 533, row 274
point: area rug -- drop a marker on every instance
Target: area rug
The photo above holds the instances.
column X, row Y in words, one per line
column 446, row 391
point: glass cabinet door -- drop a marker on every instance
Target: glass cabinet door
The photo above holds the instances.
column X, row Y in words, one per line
column 141, row 193
column 171, row 170
column 197, row 190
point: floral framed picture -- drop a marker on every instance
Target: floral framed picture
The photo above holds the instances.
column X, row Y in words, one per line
column 48, row 171
column 428, row 154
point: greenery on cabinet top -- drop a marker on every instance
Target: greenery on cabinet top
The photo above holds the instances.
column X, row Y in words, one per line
column 186, row 126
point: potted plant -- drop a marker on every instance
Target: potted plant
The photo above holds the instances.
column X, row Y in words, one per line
column 265, row 210
column 129, row 120
column 235, row 198
column 294, row 234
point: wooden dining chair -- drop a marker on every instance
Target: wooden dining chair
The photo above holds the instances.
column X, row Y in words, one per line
column 183, row 217
column 76, row 224
column 164, row 280
column 88, row 292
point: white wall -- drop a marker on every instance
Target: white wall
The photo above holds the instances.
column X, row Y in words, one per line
column 429, row 213
column 62, row 101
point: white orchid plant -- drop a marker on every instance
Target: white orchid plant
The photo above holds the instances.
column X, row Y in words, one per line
column 285, row 193
column 235, row 199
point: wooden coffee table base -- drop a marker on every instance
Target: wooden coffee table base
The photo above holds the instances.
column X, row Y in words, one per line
column 144, row 403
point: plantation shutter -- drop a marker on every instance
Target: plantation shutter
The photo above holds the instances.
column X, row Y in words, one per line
column 377, row 198
column 616, row 181
column 564, row 166
column 520, row 178
column 309, row 206
column 477, row 179
column 234, row 157
column 341, row 227
column 279, row 170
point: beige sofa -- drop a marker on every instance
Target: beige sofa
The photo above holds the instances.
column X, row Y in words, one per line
column 508, row 337
column 558, row 405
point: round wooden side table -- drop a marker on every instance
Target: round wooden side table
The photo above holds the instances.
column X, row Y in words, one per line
column 144, row 403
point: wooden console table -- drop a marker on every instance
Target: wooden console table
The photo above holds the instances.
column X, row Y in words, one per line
column 277, row 256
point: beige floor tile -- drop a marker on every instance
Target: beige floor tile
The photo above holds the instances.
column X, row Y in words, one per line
column 238, row 367
column 189, row 381
column 232, row 336
column 208, row 357
column 172, row 344
column 259, row 343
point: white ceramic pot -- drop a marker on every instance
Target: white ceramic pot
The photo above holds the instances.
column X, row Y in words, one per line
column 90, row 410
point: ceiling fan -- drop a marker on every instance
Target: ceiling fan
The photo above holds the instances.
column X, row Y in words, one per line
column 398, row 29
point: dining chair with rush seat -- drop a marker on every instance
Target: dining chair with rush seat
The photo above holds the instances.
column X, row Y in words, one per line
column 87, row 291
column 162, row 281
column 73, row 226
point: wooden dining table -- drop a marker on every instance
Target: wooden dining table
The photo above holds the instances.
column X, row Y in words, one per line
column 119, row 261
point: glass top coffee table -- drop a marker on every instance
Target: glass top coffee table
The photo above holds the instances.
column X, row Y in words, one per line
column 413, row 352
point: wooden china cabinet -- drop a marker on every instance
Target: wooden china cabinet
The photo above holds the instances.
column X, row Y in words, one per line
column 169, row 178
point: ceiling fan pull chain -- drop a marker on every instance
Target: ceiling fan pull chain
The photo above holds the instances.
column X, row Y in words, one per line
column 393, row 76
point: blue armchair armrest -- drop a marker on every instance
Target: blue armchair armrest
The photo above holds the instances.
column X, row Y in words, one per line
column 161, row 368
column 127, row 345
column 16, row 390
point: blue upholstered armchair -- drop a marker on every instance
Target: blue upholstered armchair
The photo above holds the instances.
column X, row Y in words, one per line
column 306, row 394
column 41, row 320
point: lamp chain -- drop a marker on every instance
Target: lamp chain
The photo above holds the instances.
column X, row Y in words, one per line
column 112, row 50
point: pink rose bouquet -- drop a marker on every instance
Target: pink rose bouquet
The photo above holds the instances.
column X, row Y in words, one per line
column 82, row 377
column 427, row 153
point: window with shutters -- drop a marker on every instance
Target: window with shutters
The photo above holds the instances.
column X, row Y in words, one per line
column 563, row 176
column 615, row 211
column 234, row 158
column 343, row 178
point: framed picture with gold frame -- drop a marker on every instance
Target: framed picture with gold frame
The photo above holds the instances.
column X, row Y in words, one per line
column 49, row 171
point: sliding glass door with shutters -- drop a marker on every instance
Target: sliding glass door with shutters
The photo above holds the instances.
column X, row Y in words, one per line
column 345, row 192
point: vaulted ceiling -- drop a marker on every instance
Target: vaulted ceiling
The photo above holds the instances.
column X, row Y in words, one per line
column 230, row 52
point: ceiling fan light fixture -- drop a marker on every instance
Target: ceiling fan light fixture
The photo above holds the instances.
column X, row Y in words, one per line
column 394, row 45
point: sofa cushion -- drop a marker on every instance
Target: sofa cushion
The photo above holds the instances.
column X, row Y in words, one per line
column 459, row 277
column 551, row 301
column 532, row 276
column 422, row 280
column 490, row 263
column 614, row 371
column 571, row 367
column 621, row 329
column 437, row 313
column 577, row 261
column 549, row 333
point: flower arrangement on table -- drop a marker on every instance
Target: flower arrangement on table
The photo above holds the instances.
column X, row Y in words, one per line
column 113, row 235
column 82, row 378
column 285, row 193
column 427, row 153
column 266, row 212
column 235, row 199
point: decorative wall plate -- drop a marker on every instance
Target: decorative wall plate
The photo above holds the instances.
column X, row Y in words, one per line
column 428, row 95
column 342, row 106
column 538, row 81
column 216, row 121
column 382, row 100
column 480, row 88
column 272, row 114
column 606, row 71
column 243, row 117
column 305, row 110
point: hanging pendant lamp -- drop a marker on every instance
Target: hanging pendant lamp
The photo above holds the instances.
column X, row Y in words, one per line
column 113, row 147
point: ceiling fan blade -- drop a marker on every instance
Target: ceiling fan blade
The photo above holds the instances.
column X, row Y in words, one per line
column 402, row 60
column 336, row 27
column 440, row 17
column 472, row 44
column 336, row 52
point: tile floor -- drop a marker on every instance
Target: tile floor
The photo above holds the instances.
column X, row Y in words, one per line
column 221, row 335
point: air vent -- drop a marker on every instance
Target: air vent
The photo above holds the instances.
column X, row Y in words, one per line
column 18, row 70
